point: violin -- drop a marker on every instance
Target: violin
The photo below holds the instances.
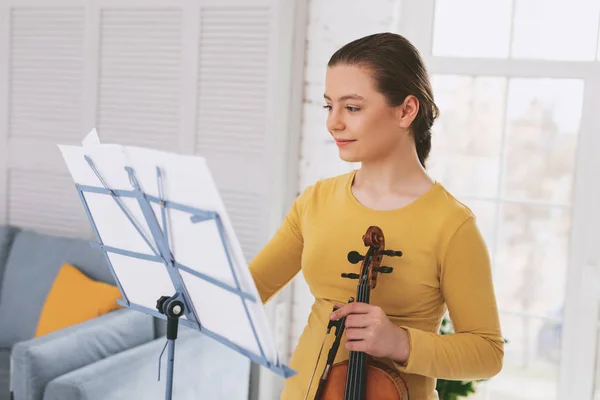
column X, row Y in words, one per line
column 362, row 377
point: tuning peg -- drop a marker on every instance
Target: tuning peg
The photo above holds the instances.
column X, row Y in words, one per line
column 383, row 270
column 354, row 257
column 350, row 276
column 392, row 253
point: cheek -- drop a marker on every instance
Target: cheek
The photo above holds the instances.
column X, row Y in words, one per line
column 364, row 124
column 378, row 131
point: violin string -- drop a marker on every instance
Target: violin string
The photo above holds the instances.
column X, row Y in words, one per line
column 355, row 354
column 360, row 356
column 350, row 386
column 349, row 390
column 358, row 364
column 361, row 361
column 360, row 370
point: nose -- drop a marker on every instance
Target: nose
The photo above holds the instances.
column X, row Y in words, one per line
column 335, row 122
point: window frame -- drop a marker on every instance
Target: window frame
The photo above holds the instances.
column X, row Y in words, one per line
column 577, row 369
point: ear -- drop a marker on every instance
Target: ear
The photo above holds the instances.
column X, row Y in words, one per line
column 407, row 111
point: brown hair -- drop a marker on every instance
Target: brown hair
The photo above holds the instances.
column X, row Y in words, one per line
column 398, row 70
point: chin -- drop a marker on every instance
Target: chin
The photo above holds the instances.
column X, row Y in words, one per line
column 349, row 157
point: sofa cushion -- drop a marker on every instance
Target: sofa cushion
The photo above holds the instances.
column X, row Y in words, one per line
column 7, row 235
column 93, row 300
column 37, row 361
column 204, row 369
column 32, row 265
column 4, row 374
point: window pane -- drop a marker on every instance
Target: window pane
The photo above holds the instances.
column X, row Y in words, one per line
column 472, row 28
column 597, row 380
column 598, row 53
column 531, row 359
column 556, row 29
column 465, row 153
column 531, row 260
column 543, row 126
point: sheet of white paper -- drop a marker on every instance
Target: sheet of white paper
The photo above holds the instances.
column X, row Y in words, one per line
column 224, row 314
column 143, row 281
column 114, row 228
column 91, row 138
column 198, row 246
column 187, row 181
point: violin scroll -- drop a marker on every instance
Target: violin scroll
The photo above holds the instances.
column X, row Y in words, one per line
column 371, row 262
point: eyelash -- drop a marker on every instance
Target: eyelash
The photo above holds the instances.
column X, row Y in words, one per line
column 349, row 108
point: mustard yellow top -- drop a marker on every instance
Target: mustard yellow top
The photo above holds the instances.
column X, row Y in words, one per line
column 445, row 265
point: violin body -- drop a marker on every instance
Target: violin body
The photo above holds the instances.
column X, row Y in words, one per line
column 362, row 377
column 382, row 382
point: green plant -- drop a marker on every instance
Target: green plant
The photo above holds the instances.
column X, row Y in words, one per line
column 454, row 390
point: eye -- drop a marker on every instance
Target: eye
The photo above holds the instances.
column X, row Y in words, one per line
column 327, row 107
column 352, row 109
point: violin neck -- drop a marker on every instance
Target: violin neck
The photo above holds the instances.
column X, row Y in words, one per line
column 357, row 364
column 364, row 292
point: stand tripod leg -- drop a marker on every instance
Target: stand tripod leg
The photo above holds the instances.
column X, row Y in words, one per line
column 173, row 309
column 170, row 367
column 172, row 324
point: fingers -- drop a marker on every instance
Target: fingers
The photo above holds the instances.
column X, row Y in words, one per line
column 358, row 345
column 356, row 333
column 352, row 308
column 358, row 321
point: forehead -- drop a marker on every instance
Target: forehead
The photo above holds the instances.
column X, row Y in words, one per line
column 341, row 80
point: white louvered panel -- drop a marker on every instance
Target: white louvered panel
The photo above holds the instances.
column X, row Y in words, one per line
column 245, row 212
column 37, row 154
column 46, row 203
column 45, row 72
column 139, row 77
column 232, row 80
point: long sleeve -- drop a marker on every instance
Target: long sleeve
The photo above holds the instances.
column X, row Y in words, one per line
column 476, row 349
column 280, row 260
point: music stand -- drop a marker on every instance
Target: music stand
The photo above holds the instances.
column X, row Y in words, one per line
column 166, row 235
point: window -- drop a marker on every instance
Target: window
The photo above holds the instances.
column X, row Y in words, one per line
column 515, row 81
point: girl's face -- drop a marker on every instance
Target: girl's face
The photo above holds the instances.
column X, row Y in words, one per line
column 361, row 122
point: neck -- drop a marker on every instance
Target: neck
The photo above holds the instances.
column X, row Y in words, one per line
column 399, row 171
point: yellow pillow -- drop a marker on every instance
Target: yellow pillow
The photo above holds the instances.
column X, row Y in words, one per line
column 75, row 298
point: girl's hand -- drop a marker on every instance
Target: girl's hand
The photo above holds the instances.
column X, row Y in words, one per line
column 369, row 330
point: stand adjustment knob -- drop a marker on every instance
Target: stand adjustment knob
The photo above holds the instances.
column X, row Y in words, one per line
column 160, row 303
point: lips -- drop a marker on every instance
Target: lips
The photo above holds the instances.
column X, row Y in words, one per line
column 343, row 142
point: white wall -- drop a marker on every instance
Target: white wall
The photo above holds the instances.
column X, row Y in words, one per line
column 331, row 24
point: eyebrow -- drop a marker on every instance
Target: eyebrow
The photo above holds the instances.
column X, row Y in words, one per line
column 346, row 97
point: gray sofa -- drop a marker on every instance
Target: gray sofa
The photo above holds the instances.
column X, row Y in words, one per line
column 114, row 356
